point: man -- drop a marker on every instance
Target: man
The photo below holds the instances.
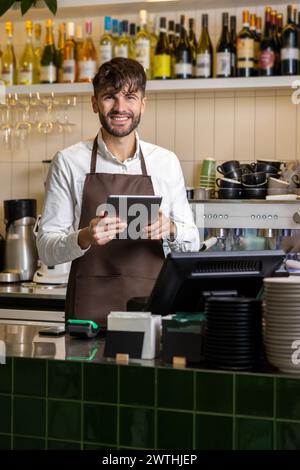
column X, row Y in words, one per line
column 106, row 272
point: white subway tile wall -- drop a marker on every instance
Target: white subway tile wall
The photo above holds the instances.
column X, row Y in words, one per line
column 244, row 125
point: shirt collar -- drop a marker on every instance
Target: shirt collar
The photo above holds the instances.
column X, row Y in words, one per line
column 104, row 152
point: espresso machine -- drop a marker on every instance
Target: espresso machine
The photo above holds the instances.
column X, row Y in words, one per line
column 247, row 224
column 20, row 253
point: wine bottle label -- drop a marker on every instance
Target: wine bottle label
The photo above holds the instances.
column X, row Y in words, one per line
column 224, row 64
column 48, row 73
column 87, row 69
column 289, row 53
column 121, row 51
column 106, row 53
column 26, row 76
column 245, row 53
column 7, row 75
column 142, row 52
column 183, row 69
column 203, row 65
column 267, row 59
column 162, row 66
column 69, row 71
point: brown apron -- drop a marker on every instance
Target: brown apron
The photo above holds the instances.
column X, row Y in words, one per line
column 106, row 277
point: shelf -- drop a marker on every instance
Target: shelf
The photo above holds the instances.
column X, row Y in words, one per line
column 74, row 8
column 157, row 86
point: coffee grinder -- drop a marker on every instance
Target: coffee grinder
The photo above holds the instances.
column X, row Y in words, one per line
column 20, row 253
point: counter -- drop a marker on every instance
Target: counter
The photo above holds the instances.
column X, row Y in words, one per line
column 62, row 394
column 32, row 302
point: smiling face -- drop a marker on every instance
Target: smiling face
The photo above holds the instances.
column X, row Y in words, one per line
column 119, row 112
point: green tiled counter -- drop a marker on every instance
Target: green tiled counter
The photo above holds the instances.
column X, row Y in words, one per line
column 79, row 404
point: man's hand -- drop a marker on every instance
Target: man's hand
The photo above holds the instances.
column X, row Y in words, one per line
column 291, row 244
column 163, row 228
column 101, row 230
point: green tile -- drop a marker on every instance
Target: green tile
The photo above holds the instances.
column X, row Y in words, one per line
column 29, row 416
column 64, row 380
column 214, row 432
column 214, row 392
column 137, row 427
column 288, row 436
column 254, row 395
column 175, row 389
column 5, row 414
column 5, row 442
column 62, row 445
column 64, row 420
column 137, row 385
column 174, row 430
column 30, row 377
column 27, row 443
column 101, row 383
column 254, row 434
column 100, row 424
column 288, row 393
column 5, row 376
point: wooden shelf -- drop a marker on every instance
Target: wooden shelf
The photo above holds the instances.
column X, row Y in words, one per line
column 74, row 8
column 157, row 86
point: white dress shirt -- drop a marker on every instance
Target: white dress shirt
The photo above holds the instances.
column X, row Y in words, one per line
column 58, row 229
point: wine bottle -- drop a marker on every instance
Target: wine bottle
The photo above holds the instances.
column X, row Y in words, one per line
column 258, row 27
column 143, row 45
column 277, row 44
column 256, row 42
column 106, row 42
column 153, row 38
column 9, row 73
column 60, row 52
column 79, row 43
column 172, row 46
column 27, row 62
column 224, row 50
column 115, row 31
column 132, row 33
column 48, row 61
column 267, row 48
column 69, row 65
column 177, row 33
column 162, row 56
column 37, row 52
column 123, row 44
column 183, row 54
column 193, row 43
column 87, row 65
column 279, row 21
column 233, row 44
column 171, row 34
column 289, row 53
column 245, row 49
column 204, row 60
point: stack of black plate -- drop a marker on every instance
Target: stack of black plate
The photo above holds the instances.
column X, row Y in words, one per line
column 234, row 332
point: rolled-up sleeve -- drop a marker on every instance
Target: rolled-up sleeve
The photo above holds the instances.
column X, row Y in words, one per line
column 57, row 236
column 187, row 237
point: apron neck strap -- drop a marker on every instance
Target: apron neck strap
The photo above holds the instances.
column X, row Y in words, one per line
column 94, row 159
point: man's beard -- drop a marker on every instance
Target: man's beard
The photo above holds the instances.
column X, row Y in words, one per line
column 135, row 120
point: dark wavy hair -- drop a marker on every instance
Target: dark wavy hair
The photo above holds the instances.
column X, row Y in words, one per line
column 120, row 73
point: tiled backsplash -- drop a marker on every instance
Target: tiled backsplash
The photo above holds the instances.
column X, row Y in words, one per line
column 224, row 124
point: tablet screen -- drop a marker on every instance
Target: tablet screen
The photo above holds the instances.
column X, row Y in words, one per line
column 137, row 211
